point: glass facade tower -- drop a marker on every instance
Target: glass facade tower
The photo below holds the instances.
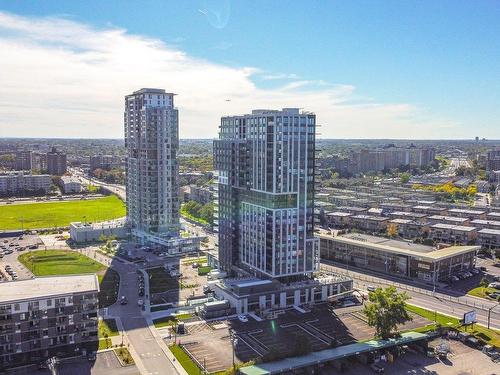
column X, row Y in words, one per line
column 265, row 162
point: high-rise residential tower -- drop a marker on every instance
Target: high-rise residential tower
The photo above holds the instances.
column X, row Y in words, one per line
column 265, row 162
column 152, row 140
column 56, row 162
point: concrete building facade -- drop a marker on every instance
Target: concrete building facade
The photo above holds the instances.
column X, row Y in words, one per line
column 56, row 162
column 23, row 184
column 152, row 141
column 46, row 316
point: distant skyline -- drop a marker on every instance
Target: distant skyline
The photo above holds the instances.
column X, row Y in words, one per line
column 368, row 69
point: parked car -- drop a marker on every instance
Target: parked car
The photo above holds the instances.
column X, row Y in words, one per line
column 377, row 369
column 454, row 279
column 140, row 302
column 475, row 271
column 371, row 288
column 495, row 285
column 242, row 318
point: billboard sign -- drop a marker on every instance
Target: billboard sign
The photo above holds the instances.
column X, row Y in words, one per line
column 470, row 317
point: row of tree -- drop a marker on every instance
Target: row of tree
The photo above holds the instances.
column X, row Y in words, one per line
column 205, row 212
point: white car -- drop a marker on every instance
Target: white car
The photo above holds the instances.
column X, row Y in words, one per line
column 242, row 318
column 140, row 302
column 371, row 288
column 495, row 285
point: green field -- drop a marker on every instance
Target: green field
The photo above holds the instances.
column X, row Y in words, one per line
column 64, row 262
column 482, row 292
column 59, row 214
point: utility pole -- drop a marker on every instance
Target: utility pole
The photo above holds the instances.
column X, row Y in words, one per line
column 489, row 313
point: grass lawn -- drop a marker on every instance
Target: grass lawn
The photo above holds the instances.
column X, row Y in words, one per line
column 63, row 262
column 200, row 260
column 161, row 281
column 185, row 361
column 204, row 270
column 170, row 320
column 480, row 291
column 60, row 214
column 491, row 336
column 107, row 328
column 104, row 344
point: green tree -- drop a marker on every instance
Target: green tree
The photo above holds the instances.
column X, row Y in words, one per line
column 385, row 310
column 405, row 177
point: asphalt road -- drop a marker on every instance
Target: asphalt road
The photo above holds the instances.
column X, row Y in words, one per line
column 150, row 357
column 439, row 301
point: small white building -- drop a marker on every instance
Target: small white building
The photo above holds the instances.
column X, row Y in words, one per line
column 88, row 232
column 70, row 184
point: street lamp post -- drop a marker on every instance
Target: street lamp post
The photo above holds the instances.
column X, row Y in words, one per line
column 234, row 342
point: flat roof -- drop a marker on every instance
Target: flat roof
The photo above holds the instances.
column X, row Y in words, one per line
column 256, row 282
column 402, row 221
column 423, row 252
column 461, row 228
column 462, row 211
column 352, row 208
column 368, row 217
column 486, row 222
column 47, row 286
column 329, row 355
column 430, row 208
column 339, row 213
column 448, row 218
column 490, row 231
column 406, row 213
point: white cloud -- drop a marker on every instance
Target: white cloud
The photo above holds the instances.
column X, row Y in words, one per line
column 61, row 78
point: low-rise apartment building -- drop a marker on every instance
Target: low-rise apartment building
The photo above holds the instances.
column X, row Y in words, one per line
column 408, row 228
column 24, row 184
column 489, row 238
column 429, row 210
column 469, row 214
column 369, row 223
column 338, row 219
column 415, row 216
column 486, row 224
column 449, row 233
column 70, row 184
column 440, row 219
column 47, row 316
column 397, row 258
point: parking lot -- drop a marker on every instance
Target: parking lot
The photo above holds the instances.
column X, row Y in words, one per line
column 322, row 328
column 10, row 248
column 462, row 360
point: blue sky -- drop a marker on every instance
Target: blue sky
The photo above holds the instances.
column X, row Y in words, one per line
column 432, row 65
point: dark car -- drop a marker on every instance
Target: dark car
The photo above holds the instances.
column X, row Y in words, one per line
column 377, row 369
column 141, row 292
